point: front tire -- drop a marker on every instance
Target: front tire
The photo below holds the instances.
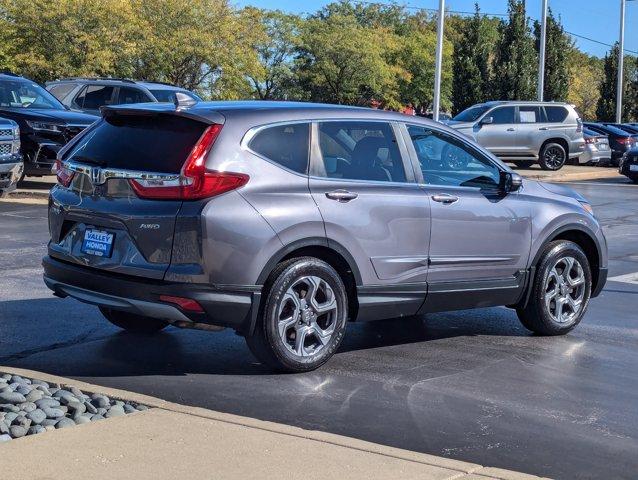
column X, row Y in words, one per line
column 552, row 157
column 303, row 318
column 560, row 292
column 131, row 322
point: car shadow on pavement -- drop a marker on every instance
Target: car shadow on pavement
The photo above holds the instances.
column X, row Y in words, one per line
column 73, row 340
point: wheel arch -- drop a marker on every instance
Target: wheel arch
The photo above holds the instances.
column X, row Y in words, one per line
column 580, row 236
column 560, row 140
column 330, row 252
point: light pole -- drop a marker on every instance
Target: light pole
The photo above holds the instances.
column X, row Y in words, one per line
column 540, row 85
column 621, row 55
column 439, row 60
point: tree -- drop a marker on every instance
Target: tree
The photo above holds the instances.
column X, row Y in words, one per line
column 416, row 56
column 585, row 72
column 341, row 61
column 606, row 106
column 515, row 60
column 471, row 61
column 557, row 48
column 276, row 55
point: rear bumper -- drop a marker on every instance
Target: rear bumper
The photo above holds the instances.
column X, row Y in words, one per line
column 233, row 306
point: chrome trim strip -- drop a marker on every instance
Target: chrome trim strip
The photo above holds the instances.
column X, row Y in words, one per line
column 99, row 175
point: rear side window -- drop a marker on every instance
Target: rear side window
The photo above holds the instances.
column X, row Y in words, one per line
column 286, row 145
column 556, row 114
column 529, row 114
column 149, row 143
column 61, row 90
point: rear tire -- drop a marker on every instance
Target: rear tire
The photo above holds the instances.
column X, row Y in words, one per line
column 552, row 156
column 560, row 292
column 133, row 323
column 303, row 316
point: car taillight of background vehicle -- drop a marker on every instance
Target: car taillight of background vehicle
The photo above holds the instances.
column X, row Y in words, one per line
column 579, row 125
column 63, row 174
column 628, row 141
column 590, row 140
column 194, row 182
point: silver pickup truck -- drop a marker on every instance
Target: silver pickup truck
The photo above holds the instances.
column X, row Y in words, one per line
column 11, row 165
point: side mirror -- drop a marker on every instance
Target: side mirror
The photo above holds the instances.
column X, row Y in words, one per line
column 510, row 182
column 487, row 121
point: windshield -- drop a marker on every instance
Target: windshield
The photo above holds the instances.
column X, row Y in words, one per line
column 25, row 94
column 471, row 114
column 168, row 96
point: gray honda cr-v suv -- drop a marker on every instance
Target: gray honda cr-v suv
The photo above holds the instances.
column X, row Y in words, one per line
column 284, row 221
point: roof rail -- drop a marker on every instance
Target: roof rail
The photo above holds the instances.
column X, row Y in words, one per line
column 161, row 83
column 115, row 79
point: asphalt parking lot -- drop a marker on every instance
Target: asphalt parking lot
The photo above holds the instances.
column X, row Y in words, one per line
column 470, row 385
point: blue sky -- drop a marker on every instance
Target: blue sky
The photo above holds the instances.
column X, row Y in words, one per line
column 597, row 19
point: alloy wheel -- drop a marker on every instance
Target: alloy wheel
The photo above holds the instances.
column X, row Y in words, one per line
column 307, row 316
column 554, row 157
column 565, row 290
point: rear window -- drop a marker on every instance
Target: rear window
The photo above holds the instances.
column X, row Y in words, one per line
column 287, row 145
column 168, row 96
column 149, row 143
column 556, row 114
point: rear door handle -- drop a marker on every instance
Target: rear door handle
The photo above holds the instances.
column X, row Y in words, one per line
column 544, row 128
column 511, row 129
column 445, row 198
column 341, row 195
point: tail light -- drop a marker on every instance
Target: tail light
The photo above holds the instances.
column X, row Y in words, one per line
column 590, row 140
column 64, row 175
column 194, row 182
column 626, row 141
column 579, row 125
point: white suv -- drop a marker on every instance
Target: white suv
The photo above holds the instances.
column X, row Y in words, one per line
column 549, row 133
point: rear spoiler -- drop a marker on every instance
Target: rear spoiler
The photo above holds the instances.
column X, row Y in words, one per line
column 200, row 114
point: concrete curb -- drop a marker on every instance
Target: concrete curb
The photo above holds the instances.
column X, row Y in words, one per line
column 465, row 470
column 574, row 176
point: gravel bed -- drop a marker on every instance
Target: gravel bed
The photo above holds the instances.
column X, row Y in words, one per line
column 29, row 406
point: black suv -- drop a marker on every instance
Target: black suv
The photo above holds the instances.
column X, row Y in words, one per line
column 89, row 94
column 45, row 124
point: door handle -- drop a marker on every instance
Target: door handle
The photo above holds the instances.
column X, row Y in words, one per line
column 341, row 196
column 445, row 198
column 511, row 129
column 544, row 128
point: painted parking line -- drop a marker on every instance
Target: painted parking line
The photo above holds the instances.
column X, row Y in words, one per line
column 631, row 278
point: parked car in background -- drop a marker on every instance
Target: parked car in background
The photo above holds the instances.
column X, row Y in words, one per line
column 619, row 140
column 11, row 165
column 631, row 129
column 45, row 124
column 547, row 133
column 628, row 165
column 89, row 94
column 597, row 149
column 284, row 221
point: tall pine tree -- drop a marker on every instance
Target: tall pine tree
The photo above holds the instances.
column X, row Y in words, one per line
column 515, row 60
column 606, row 107
column 471, row 62
column 557, row 48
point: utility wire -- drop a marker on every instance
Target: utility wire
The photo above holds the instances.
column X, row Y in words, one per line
column 485, row 14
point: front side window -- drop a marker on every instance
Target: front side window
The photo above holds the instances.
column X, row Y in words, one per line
column 503, row 115
column 471, row 114
column 447, row 161
column 61, row 90
column 286, row 145
column 95, row 96
column 132, row 95
column 360, row 151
